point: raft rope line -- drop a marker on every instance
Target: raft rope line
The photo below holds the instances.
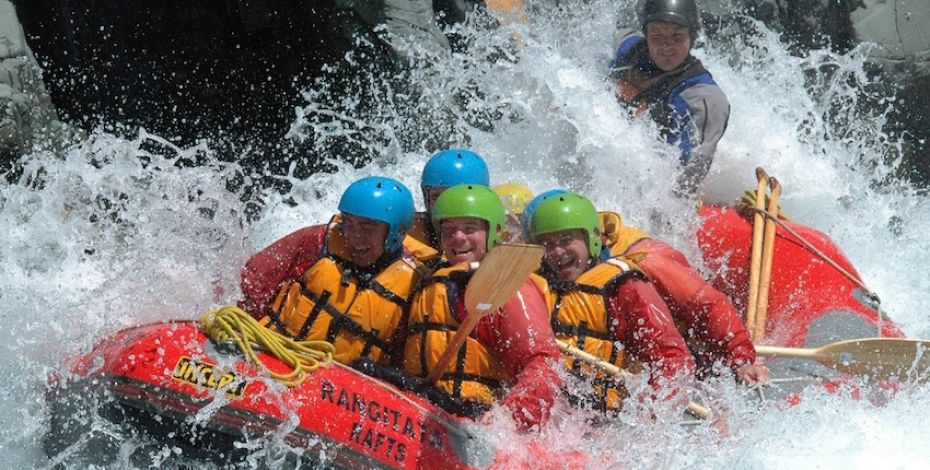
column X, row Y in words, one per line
column 810, row 247
column 760, row 389
column 232, row 324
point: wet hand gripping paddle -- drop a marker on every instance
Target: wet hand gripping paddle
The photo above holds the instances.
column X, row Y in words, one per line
column 500, row 274
column 878, row 358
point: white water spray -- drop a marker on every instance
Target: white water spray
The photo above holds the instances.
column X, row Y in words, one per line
column 119, row 232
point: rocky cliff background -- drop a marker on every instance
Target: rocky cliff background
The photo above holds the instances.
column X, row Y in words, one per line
column 231, row 72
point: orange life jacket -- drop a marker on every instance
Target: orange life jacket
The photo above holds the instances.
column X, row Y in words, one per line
column 420, row 242
column 334, row 301
column 476, row 374
column 619, row 237
column 579, row 317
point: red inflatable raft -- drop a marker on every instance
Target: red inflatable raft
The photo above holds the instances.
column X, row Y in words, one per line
column 171, row 381
column 810, row 303
column 168, row 379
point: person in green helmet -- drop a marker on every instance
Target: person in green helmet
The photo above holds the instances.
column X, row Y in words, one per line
column 707, row 320
column 511, row 355
column 607, row 308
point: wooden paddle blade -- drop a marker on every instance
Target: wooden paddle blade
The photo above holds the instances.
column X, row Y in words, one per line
column 878, row 358
column 501, row 273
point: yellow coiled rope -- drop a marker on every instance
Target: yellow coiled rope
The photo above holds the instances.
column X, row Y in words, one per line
column 748, row 201
column 232, row 324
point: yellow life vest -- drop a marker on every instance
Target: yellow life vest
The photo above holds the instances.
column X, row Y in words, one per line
column 358, row 312
column 619, row 237
column 579, row 316
column 476, row 374
column 421, row 251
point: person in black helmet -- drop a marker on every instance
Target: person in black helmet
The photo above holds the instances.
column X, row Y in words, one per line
column 656, row 74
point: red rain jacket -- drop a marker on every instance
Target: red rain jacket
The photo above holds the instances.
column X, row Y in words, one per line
column 643, row 325
column 522, row 339
column 704, row 311
column 282, row 262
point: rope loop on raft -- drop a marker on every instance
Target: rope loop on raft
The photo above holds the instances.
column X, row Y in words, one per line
column 871, row 296
column 747, row 204
column 231, row 324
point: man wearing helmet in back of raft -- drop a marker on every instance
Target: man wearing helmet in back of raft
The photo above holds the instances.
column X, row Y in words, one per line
column 356, row 292
column 607, row 308
column 709, row 323
column 443, row 170
column 511, row 354
column 656, row 73
column 514, row 197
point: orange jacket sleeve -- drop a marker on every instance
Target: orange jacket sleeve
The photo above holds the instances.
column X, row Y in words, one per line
column 521, row 337
column 704, row 312
column 645, row 327
column 283, row 261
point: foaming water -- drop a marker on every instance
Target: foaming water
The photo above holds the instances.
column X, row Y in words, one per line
column 118, row 232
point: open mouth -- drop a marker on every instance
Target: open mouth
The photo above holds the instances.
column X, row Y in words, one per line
column 460, row 254
column 565, row 264
column 359, row 251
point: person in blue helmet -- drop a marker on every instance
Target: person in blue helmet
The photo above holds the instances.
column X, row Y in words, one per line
column 657, row 75
column 443, row 170
column 349, row 281
column 712, row 327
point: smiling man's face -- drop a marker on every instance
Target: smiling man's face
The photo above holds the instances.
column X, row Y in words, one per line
column 668, row 44
column 364, row 239
column 567, row 253
column 463, row 239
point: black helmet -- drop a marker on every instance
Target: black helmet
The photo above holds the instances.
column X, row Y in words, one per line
column 681, row 12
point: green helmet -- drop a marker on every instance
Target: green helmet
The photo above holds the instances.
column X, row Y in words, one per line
column 471, row 200
column 568, row 211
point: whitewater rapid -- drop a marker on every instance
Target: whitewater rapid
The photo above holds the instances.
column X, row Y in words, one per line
column 115, row 232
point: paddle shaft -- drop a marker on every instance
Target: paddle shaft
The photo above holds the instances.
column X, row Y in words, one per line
column 877, row 358
column 455, row 344
column 791, row 353
column 755, row 262
column 694, row 409
column 768, row 255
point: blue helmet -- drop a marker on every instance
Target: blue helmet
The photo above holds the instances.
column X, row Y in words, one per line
column 454, row 167
column 382, row 199
column 530, row 208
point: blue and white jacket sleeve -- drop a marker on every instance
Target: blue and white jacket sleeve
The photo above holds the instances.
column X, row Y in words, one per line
column 624, row 40
column 708, row 112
